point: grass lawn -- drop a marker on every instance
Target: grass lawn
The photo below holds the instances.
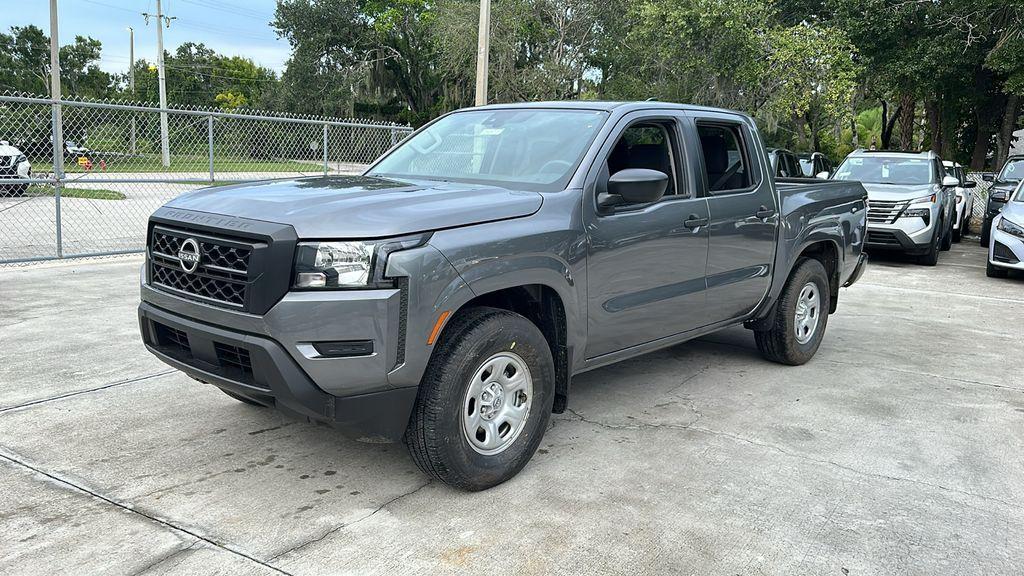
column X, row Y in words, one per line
column 90, row 193
column 151, row 163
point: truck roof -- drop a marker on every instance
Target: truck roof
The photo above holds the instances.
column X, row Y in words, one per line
column 608, row 106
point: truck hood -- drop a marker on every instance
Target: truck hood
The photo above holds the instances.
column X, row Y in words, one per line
column 895, row 192
column 356, row 207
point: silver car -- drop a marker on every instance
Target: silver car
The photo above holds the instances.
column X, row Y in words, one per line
column 911, row 201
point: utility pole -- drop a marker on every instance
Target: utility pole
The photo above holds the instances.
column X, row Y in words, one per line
column 483, row 52
column 161, row 20
column 58, row 125
column 131, row 80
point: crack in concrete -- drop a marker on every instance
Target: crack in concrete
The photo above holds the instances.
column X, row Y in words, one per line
column 5, row 454
column 349, row 524
column 160, row 560
column 88, row 391
column 779, row 449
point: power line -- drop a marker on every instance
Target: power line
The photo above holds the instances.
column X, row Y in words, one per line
column 230, row 9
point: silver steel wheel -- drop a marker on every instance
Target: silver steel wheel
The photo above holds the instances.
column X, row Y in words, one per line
column 808, row 311
column 497, row 403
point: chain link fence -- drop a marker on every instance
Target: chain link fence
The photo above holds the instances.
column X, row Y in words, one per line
column 119, row 165
column 980, row 199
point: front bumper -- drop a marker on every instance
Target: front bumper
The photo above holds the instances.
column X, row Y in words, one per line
column 1006, row 250
column 858, row 270
column 262, row 369
column 899, row 238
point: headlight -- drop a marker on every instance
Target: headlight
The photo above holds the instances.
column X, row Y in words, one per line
column 924, row 199
column 352, row 264
column 21, row 158
column 1010, row 228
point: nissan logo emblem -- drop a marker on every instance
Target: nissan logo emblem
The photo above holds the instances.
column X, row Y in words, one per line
column 188, row 255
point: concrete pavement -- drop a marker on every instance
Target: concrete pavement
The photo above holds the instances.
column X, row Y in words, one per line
column 897, row 450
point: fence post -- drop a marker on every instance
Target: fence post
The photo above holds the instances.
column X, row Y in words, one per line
column 57, row 129
column 325, row 149
column 209, row 142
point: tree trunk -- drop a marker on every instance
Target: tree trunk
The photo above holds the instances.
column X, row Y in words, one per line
column 888, row 123
column 908, row 107
column 981, row 139
column 854, row 137
column 933, row 112
column 801, row 136
column 1004, row 141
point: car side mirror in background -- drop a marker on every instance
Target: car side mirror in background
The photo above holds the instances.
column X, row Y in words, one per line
column 634, row 186
column 988, row 176
column 822, row 175
column 999, row 196
column 969, row 184
column 950, row 181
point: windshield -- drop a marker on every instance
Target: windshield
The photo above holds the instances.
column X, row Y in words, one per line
column 1019, row 197
column 1012, row 171
column 531, row 149
column 886, row 170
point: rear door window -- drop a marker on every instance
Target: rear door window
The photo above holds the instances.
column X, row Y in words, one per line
column 726, row 164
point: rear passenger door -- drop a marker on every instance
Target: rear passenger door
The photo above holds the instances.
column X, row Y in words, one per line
column 744, row 213
column 645, row 263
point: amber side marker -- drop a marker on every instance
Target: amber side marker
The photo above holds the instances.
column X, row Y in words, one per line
column 437, row 327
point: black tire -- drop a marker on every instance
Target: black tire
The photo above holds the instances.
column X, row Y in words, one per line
column 243, row 399
column 965, row 226
column 435, row 434
column 958, row 233
column 931, row 257
column 986, row 231
column 947, row 236
column 995, row 271
column 19, row 190
column 779, row 342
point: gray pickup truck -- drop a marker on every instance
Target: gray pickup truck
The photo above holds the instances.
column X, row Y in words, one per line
column 448, row 295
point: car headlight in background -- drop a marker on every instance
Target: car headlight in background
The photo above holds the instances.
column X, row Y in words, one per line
column 21, row 158
column 1010, row 228
column 348, row 264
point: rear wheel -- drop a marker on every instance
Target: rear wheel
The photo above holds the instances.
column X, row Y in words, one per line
column 993, row 271
column 484, row 402
column 800, row 316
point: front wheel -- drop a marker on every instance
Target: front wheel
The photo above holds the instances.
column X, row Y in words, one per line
column 800, row 316
column 986, row 230
column 931, row 257
column 947, row 236
column 484, row 401
column 993, row 271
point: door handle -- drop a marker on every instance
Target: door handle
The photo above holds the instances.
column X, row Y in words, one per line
column 764, row 213
column 695, row 221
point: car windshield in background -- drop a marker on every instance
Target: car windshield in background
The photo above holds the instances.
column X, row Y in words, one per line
column 807, row 167
column 885, row 170
column 1013, row 171
column 531, row 149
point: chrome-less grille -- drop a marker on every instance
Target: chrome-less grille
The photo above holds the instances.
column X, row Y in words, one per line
column 885, row 211
column 221, row 276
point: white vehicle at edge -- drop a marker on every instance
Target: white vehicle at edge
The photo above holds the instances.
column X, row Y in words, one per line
column 964, row 199
column 13, row 164
column 1006, row 249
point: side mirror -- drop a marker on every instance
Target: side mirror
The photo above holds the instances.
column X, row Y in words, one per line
column 635, row 186
column 969, row 184
column 988, row 177
column 999, row 196
column 822, row 175
column 950, row 181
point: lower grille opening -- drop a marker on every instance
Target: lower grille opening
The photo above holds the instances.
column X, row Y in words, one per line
column 236, row 360
column 172, row 338
column 1002, row 253
column 883, row 237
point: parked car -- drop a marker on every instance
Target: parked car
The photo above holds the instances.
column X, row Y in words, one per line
column 912, row 204
column 784, row 163
column 1006, row 249
column 1003, row 184
column 964, row 199
column 815, row 165
column 13, row 165
column 449, row 294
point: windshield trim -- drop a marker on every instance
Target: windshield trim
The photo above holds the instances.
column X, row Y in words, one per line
column 559, row 185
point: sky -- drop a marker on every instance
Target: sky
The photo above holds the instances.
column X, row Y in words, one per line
column 231, row 27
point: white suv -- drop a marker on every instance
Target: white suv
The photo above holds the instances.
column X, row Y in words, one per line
column 1006, row 249
column 13, row 164
column 964, row 199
